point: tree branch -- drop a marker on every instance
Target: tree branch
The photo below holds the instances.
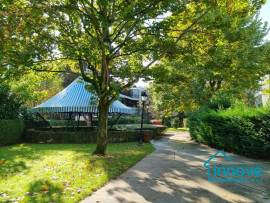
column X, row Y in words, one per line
column 163, row 54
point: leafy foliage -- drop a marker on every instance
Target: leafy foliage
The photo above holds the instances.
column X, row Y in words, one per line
column 11, row 131
column 36, row 87
column 224, row 58
column 240, row 130
column 10, row 103
column 218, row 103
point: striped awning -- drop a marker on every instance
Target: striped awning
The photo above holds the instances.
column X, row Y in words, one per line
column 75, row 98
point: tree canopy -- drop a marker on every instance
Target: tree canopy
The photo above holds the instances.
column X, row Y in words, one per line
column 224, row 59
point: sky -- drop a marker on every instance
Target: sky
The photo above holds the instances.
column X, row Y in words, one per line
column 264, row 14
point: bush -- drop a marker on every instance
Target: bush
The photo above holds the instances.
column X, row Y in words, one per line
column 11, row 131
column 166, row 121
column 123, row 120
column 156, row 129
column 218, row 103
column 10, row 104
column 54, row 122
column 68, row 129
column 240, row 130
column 38, row 136
column 175, row 123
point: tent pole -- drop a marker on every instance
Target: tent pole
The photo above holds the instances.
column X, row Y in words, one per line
column 115, row 121
column 46, row 122
column 72, row 122
column 91, row 118
column 78, row 122
column 69, row 118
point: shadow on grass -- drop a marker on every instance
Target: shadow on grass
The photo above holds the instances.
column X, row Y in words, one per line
column 118, row 160
column 10, row 163
column 93, row 169
column 43, row 191
column 13, row 157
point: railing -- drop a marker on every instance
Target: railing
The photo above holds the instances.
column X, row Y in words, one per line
column 130, row 94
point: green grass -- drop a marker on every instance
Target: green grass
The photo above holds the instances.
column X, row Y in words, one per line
column 179, row 129
column 61, row 172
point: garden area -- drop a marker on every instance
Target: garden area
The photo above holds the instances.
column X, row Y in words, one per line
column 40, row 164
column 85, row 85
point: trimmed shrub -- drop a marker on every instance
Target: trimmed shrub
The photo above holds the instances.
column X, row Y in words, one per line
column 66, row 123
column 10, row 104
column 241, row 130
column 122, row 120
column 38, row 136
column 68, row 129
column 156, row 129
column 11, row 131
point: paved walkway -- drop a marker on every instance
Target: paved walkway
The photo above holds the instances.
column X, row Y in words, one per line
column 175, row 173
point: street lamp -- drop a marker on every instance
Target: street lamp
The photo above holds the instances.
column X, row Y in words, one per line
column 144, row 98
column 147, row 114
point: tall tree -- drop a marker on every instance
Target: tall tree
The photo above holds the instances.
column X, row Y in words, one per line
column 229, row 58
column 112, row 42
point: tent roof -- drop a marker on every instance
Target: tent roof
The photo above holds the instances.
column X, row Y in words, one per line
column 75, row 98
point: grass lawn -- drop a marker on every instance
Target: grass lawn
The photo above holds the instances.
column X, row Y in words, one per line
column 61, row 172
column 179, row 129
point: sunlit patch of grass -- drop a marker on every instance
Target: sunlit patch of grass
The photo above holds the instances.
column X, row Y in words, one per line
column 179, row 129
column 61, row 172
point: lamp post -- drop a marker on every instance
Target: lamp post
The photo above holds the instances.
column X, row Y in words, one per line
column 147, row 114
column 144, row 97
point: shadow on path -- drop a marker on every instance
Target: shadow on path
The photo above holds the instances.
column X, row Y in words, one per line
column 175, row 173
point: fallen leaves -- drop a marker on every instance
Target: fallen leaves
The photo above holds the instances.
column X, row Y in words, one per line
column 60, row 175
column 44, row 188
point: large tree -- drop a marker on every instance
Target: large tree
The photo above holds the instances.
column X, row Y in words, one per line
column 113, row 42
column 229, row 58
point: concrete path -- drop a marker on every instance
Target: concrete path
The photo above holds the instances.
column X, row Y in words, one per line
column 175, row 173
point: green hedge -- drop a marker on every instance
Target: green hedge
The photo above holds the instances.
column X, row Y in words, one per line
column 11, row 131
column 66, row 123
column 68, row 129
column 38, row 136
column 121, row 120
column 156, row 129
column 240, row 130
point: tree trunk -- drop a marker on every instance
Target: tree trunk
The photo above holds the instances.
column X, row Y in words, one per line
column 102, row 135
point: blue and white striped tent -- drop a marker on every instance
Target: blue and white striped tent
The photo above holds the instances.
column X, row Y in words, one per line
column 76, row 99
